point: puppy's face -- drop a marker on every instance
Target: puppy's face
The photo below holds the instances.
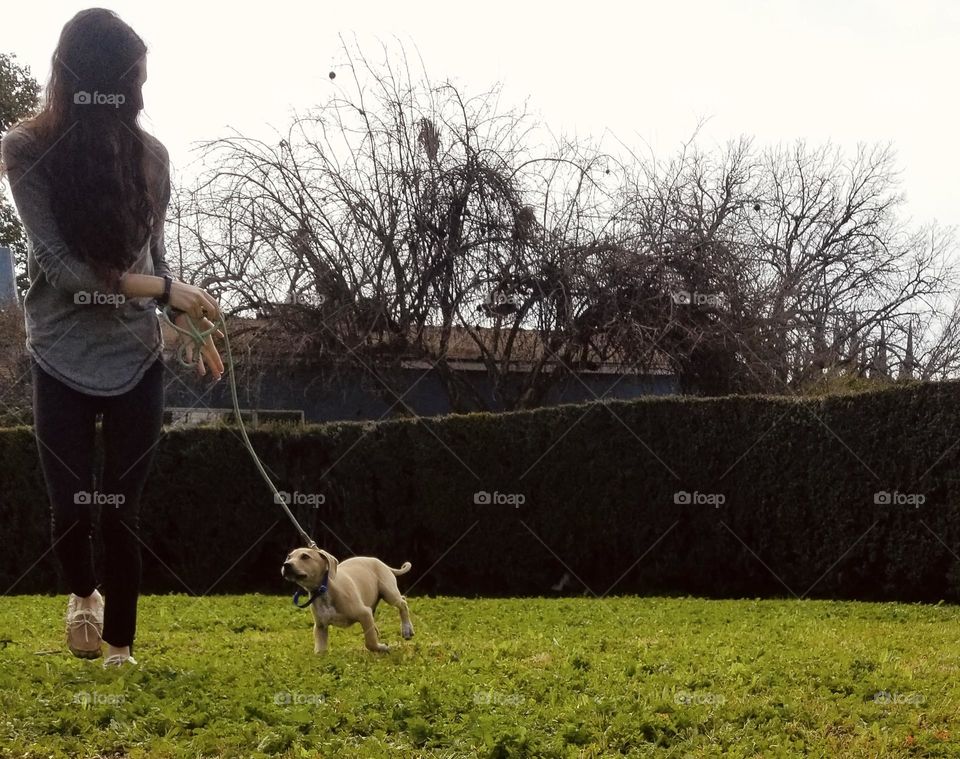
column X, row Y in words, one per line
column 306, row 567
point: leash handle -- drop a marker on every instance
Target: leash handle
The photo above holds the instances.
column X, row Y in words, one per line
column 196, row 336
column 199, row 338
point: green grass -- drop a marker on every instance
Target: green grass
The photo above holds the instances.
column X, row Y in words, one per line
column 235, row 676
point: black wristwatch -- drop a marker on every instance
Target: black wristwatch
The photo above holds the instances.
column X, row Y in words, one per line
column 167, row 284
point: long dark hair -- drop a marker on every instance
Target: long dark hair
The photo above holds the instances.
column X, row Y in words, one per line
column 100, row 195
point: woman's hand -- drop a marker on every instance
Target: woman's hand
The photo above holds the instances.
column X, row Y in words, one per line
column 204, row 310
column 209, row 355
column 199, row 304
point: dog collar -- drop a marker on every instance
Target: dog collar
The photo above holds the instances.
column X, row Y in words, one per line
column 314, row 594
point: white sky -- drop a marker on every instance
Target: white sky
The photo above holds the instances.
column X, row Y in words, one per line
column 648, row 71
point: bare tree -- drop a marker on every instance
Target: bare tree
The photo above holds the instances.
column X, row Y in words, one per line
column 793, row 263
column 394, row 219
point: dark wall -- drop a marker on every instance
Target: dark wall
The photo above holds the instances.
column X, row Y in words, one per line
column 355, row 395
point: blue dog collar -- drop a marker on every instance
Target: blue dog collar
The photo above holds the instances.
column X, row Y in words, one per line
column 314, row 594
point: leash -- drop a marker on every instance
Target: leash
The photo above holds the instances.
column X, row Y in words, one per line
column 198, row 338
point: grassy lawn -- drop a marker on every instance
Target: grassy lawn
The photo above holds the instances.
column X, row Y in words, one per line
column 236, row 676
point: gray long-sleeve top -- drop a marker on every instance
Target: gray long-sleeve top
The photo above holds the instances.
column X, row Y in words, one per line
column 77, row 331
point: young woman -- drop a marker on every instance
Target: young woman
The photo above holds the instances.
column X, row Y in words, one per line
column 92, row 188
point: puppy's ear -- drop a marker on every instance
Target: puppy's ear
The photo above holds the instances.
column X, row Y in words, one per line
column 331, row 563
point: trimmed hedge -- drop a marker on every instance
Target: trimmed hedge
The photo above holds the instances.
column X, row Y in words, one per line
column 798, row 480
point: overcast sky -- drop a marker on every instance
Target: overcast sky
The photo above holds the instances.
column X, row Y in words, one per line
column 839, row 70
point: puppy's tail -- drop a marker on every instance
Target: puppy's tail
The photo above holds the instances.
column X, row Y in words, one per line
column 403, row 569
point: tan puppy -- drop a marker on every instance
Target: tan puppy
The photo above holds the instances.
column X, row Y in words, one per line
column 354, row 587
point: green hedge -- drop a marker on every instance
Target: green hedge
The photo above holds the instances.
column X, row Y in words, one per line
column 798, row 477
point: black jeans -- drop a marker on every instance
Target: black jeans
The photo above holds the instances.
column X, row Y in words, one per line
column 65, row 429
